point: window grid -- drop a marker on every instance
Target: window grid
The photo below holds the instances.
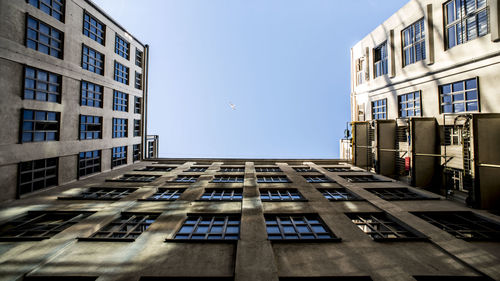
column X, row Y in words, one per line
column 138, row 80
column 268, row 170
column 128, row 226
column 37, row 174
column 121, row 73
column 409, row 104
column 94, row 29
column 210, row 227
column 137, row 128
column 120, row 128
column 166, row 194
column 98, row 193
column 41, row 85
column 304, row 169
column 380, row 227
column 136, row 152
column 137, row 105
column 338, row 194
column 397, row 194
column 189, row 179
column 465, row 20
column 361, row 178
column 280, row 195
column 92, row 60
column 89, row 162
column 379, row 109
column 90, row 127
column 303, row 227
column 231, row 169
column 228, row 179
column 272, row 179
column 222, row 194
column 136, row 178
column 120, row 101
column 380, row 60
column 44, row 38
column 138, row 57
column 197, row 169
column 54, row 8
column 317, row 179
column 122, row 47
column 157, row 169
column 459, row 96
column 91, row 94
column 118, row 156
column 39, row 125
column 338, row 169
column 414, row 43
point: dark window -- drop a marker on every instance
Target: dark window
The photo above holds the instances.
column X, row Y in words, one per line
column 379, row 109
column 272, row 179
column 120, row 128
column 41, row 85
column 92, row 60
column 196, row 169
column 136, row 152
column 151, row 147
column 138, row 57
column 280, row 195
column 54, row 8
column 119, row 156
column 44, row 38
column 380, row 60
column 338, row 169
column 304, row 169
column 409, row 104
column 222, row 194
column 40, row 225
column 120, row 101
column 137, row 105
column 137, row 128
column 285, row 227
column 465, row 20
column 414, row 43
column 121, row 73
column 316, row 179
column 459, row 96
column 166, row 194
column 227, row 179
column 210, row 227
column 452, row 135
column 339, row 194
column 158, row 169
column 127, row 226
column 90, row 127
column 39, row 125
column 37, row 174
column 463, row 225
column 362, row 178
column 98, row 193
column 89, row 162
column 122, row 47
column 186, row 179
column 136, row 178
column 94, row 28
column 91, row 94
column 380, row 227
column 398, row 194
column 267, row 169
column 138, row 80
column 231, row 169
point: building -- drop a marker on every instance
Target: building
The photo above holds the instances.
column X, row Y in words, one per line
column 244, row 219
column 74, row 94
column 424, row 101
column 153, row 143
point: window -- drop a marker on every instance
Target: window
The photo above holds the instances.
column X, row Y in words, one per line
column 118, row 156
column 89, row 162
column 94, row 29
column 409, row 104
column 281, row 195
column 128, row 226
column 222, row 194
column 189, row 179
column 138, row 57
column 136, row 152
column 227, row 179
column 136, row 178
column 122, row 47
column 210, row 227
column 338, row 169
column 165, row 194
column 380, row 60
column 360, row 71
column 40, row 225
column 379, row 109
column 267, row 169
column 151, row 149
column 158, row 169
column 138, row 80
column 39, row 125
column 272, row 179
column 317, row 179
column 91, row 94
column 390, row 194
column 137, row 128
column 414, row 43
column 459, row 96
column 285, row 227
column 137, row 105
column 92, row 60
column 465, row 20
column 304, row 169
column 54, row 8
column 231, row 169
column 102, row 193
column 380, row 227
column 463, row 225
column 339, row 194
column 37, row 174
column 120, row 128
column 44, row 38
column 196, row 169
column 362, row 178
column 452, row 135
column 120, row 101
column 90, row 127
column 41, row 85
column 121, row 73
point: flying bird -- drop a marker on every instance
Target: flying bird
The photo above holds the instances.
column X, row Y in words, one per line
column 233, row 107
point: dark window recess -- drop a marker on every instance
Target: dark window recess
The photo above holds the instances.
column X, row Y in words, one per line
column 136, row 152
column 137, row 128
column 89, row 163
column 121, row 73
column 166, row 194
column 138, row 80
column 380, row 60
column 197, row 169
column 362, row 178
column 118, row 156
column 136, row 178
column 44, row 38
column 122, row 47
column 413, row 43
column 379, row 109
column 465, row 21
column 98, row 193
column 138, row 57
column 317, row 179
column 272, row 179
column 339, row 194
column 304, row 169
column 54, row 8
column 280, row 195
column 129, row 226
column 267, row 170
column 463, row 225
column 90, row 127
column 120, row 101
column 41, row 85
column 210, row 227
column 398, row 194
column 338, row 169
column 461, row 96
column 92, row 60
column 304, row 227
column 186, row 179
column 451, row 278
column 380, row 227
column 158, row 169
column 40, row 225
column 120, row 128
column 137, row 105
column 409, row 104
column 91, row 94
column 39, row 126
column 37, row 174
column 231, row 169
column 228, row 179
column 222, row 194
column 94, row 28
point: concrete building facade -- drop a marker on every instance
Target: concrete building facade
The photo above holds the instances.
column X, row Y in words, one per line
column 424, row 100
column 74, row 94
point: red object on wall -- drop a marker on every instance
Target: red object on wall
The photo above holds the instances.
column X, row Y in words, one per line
column 407, row 163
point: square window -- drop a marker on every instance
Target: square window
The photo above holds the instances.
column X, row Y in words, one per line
column 166, row 194
column 210, row 227
column 281, row 195
column 391, row 194
column 297, row 226
column 128, row 226
column 339, row 194
column 222, row 194
column 98, row 193
column 44, row 38
column 93, row 28
column 380, row 227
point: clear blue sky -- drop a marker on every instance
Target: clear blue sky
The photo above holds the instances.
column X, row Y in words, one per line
column 283, row 63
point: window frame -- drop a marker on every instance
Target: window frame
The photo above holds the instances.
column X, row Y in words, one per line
column 138, row 80
column 48, row 83
column 93, row 92
column 198, row 218
column 123, row 220
column 91, row 17
column 120, row 75
column 95, row 58
column 33, row 131
column 222, row 195
column 139, row 59
column 160, row 192
column 120, row 101
column 398, row 194
column 93, row 166
column 50, row 37
column 344, row 193
column 119, row 151
column 384, row 61
column 33, row 171
column 86, row 124
column 101, row 194
column 412, row 45
column 282, row 179
column 121, row 42
column 375, row 105
column 413, row 102
column 294, row 218
column 462, row 21
column 120, row 128
column 60, row 2
column 464, row 92
column 284, row 194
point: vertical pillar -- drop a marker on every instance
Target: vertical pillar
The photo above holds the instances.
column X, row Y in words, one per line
column 429, row 41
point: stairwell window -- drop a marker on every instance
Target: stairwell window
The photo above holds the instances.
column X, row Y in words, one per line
column 380, row 60
column 465, row 20
column 414, row 43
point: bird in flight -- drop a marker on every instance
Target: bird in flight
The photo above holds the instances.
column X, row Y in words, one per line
column 233, row 107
